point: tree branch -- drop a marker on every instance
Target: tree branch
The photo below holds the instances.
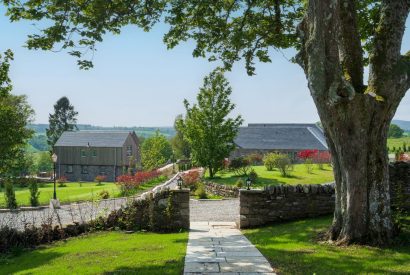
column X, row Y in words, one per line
column 320, row 54
column 351, row 53
column 386, row 59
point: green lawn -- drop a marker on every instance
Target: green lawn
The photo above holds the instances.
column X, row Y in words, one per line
column 291, row 249
column 73, row 192
column 104, row 253
column 398, row 142
column 299, row 175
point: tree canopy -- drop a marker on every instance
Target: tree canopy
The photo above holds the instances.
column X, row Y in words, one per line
column 225, row 30
column 155, row 151
column 395, row 131
column 63, row 119
column 15, row 115
column 180, row 146
column 207, row 127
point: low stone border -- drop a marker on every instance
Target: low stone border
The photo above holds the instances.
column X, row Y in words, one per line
column 171, row 183
column 222, row 190
column 285, row 202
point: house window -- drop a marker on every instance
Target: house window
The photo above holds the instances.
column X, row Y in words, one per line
column 102, row 170
column 83, row 153
column 94, row 154
column 69, row 169
column 84, row 169
column 129, row 151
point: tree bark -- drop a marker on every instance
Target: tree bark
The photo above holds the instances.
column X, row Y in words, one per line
column 356, row 118
column 357, row 141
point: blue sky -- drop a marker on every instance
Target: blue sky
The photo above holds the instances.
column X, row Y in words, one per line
column 136, row 81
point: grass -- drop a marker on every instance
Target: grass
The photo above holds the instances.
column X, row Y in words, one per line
column 104, row 253
column 299, row 175
column 209, row 197
column 398, row 142
column 291, row 248
column 73, row 192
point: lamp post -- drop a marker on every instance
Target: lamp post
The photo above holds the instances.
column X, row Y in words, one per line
column 180, row 181
column 54, row 158
column 248, row 184
column 54, row 203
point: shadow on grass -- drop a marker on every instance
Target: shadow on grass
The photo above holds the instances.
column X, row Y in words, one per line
column 10, row 264
column 292, row 249
column 170, row 267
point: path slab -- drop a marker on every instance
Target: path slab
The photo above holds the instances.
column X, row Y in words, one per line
column 220, row 248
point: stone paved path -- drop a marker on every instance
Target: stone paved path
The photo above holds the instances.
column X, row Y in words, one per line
column 220, row 248
column 214, row 210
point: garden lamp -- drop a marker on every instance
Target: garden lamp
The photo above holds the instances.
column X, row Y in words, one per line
column 248, row 183
column 54, row 158
column 180, row 181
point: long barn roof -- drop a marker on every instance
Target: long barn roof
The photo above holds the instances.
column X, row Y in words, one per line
column 281, row 137
column 93, row 138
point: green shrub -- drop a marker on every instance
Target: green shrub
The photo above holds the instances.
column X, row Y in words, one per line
column 104, row 195
column 253, row 176
column 239, row 166
column 239, row 183
column 269, row 160
column 201, row 192
column 99, row 179
column 62, row 181
column 255, row 159
column 34, row 193
column 309, row 165
column 282, row 162
column 10, row 195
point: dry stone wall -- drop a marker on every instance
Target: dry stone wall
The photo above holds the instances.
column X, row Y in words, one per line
column 286, row 202
column 400, row 185
column 225, row 191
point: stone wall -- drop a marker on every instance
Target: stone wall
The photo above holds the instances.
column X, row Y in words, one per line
column 284, row 202
column 400, row 185
column 164, row 210
column 279, row 203
column 226, row 191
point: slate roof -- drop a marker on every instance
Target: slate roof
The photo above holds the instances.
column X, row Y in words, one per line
column 281, row 137
column 93, row 138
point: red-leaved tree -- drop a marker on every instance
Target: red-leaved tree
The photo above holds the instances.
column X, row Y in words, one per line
column 128, row 183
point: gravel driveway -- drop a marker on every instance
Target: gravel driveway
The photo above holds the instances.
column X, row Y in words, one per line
column 214, row 210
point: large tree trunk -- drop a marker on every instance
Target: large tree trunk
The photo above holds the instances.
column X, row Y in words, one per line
column 356, row 117
column 357, row 141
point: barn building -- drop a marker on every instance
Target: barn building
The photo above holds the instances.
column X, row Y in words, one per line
column 283, row 138
column 83, row 155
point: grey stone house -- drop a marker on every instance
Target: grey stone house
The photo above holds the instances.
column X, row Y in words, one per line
column 277, row 137
column 83, row 155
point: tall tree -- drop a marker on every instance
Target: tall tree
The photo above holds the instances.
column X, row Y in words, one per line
column 206, row 126
column 180, row 146
column 15, row 115
column 63, row 119
column 335, row 39
column 155, row 151
column 395, row 131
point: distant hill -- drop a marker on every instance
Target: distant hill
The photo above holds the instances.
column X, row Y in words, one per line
column 141, row 131
column 404, row 124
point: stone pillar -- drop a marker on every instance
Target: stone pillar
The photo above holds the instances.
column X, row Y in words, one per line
column 249, row 203
column 180, row 205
